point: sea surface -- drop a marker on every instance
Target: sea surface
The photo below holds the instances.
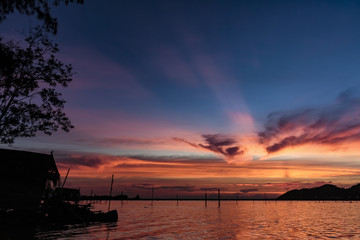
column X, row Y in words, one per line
column 233, row 220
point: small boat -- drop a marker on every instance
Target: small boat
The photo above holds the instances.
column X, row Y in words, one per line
column 110, row 216
column 65, row 212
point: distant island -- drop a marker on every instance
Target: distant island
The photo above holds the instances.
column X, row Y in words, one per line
column 324, row 192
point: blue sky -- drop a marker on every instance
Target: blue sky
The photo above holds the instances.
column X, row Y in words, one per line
column 149, row 72
column 271, row 55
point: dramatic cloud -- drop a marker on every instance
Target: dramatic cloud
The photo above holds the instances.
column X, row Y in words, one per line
column 221, row 144
column 335, row 124
column 218, row 143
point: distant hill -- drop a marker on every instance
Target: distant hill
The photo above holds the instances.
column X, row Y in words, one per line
column 324, row 192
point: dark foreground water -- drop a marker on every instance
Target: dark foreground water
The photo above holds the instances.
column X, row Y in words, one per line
column 244, row 220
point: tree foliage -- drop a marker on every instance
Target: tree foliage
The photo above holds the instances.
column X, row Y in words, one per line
column 29, row 102
column 40, row 8
column 30, row 74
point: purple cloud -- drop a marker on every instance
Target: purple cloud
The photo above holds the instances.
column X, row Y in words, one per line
column 217, row 143
column 221, row 144
column 330, row 125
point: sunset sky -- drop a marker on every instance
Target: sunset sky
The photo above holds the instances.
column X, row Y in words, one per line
column 252, row 97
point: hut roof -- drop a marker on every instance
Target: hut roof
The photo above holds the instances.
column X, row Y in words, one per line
column 22, row 164
column 23, row 177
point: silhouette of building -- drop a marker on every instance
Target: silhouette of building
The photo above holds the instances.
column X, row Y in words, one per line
column 23, row 178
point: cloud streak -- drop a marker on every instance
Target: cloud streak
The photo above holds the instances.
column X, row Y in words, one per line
column 146, row 186
column 247, row 190
column 177, row 159
column 87, row 161
column 331, row 125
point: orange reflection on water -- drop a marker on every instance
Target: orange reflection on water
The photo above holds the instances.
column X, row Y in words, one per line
column 233, row 220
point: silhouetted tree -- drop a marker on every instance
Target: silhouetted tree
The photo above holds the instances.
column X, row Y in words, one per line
column 29, row 101
column 29, row 75
column 40, row 8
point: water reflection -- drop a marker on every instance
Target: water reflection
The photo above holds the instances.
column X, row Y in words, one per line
column 246, row 220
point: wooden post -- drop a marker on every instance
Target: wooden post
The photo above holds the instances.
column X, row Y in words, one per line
column 265, row 198
column 236, row 197
column 112, row 181
column 91, row 196
column 218, row 197
column 177, row 199
column 122, row 198
column 152, row 195
column 205, row 199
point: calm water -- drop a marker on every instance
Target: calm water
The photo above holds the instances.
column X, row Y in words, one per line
column 245, row 220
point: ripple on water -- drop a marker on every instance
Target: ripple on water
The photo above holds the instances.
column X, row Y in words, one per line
column 246, row 220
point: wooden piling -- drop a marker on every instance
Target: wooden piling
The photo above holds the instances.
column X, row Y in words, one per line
column 218, row 197
column 205, row 199
column 177, row 199
column 91, row 196
column 265, row 198
column 112, row 181
column 237, row 198
column 122, row 198
column 152, row 195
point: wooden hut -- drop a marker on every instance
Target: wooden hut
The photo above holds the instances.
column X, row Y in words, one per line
column 23, row 178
